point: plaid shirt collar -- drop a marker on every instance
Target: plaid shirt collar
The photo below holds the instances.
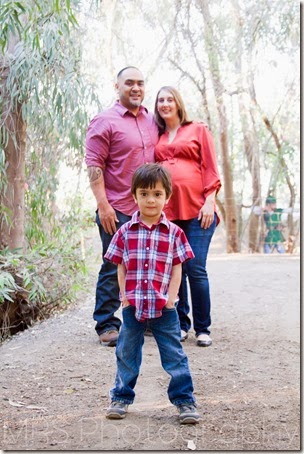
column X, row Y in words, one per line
column 135, row 220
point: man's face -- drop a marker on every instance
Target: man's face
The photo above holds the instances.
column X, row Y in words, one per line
column 131, row 89
column 271, row 206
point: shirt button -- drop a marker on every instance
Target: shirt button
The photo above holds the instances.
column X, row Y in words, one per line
column 146, row 265
column 145, row 297
column 146, row 281
column 147, row 248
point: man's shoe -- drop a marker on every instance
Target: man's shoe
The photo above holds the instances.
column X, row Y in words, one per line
column 203, row 340
column 117, row 410
column 184, row 335
column 109, row 338
column 188, row 414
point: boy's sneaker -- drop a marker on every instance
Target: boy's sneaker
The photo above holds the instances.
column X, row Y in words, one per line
column 117, row 410
column 188, row 414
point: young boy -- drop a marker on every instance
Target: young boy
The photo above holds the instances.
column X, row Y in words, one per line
column 149, row 252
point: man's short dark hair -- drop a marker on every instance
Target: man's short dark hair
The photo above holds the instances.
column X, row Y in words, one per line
column 124, row 69
column 148, row 175
column 271, row 199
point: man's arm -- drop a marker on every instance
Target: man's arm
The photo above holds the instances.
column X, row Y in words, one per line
column 106, row 213
column 174, row 285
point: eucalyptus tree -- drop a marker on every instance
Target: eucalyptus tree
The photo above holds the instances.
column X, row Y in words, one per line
column 231, row 220
column 266, row 36
column 244, row 44
column 43, row 102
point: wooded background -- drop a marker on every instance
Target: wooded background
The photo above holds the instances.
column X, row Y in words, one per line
column 237, row 66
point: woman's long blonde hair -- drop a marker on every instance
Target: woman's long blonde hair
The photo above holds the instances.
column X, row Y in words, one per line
column 181, row 110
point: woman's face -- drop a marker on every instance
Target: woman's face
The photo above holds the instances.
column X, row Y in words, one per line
column 166, row 105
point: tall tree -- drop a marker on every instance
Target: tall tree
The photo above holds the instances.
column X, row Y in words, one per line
column 231, row 221
column 41, row 91
column 14, row 138
column 251, row 146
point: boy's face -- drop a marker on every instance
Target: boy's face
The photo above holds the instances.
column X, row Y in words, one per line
column 151, row 202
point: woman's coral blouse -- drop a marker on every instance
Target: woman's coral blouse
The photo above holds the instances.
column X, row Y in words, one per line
column 191, row 160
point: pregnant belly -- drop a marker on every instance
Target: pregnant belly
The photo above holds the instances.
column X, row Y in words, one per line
column 184, row 173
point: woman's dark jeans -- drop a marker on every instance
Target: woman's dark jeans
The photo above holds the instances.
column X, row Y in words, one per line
column 195, row 271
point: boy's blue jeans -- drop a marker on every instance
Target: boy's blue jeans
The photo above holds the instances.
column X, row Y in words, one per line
column 195, row 270
column 167, row 334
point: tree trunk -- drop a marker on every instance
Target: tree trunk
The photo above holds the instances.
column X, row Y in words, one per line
column 12, row 197
column 251, row 147
column 229, row 201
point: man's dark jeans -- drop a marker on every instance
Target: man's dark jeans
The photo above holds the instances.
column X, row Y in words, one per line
column 107, row 290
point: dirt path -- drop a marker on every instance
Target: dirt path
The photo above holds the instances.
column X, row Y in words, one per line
column 55, row 376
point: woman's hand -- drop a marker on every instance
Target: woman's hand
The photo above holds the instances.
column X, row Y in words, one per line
column 206, row 215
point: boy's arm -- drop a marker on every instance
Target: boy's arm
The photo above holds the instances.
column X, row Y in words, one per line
column 121, row 275
column 174, row 285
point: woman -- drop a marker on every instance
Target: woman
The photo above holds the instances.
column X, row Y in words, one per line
column 187, row 150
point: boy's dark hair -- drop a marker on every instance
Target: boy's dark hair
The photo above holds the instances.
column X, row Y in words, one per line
column 147, row 175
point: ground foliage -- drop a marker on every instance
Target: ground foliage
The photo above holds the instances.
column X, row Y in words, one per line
column 35, row 284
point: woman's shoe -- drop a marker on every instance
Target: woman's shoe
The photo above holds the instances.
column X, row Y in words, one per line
column 184, row 335
column 203, row 340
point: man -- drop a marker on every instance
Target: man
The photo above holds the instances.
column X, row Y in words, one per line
column 272, row 218
column 118, row 141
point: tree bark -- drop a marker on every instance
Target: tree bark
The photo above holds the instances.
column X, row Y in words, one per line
column 12, row 197
column 251, row 147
